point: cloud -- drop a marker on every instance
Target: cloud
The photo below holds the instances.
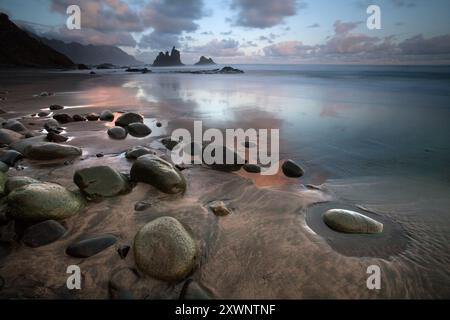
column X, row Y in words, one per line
column 341, row 28
column 418, row 45
column 314, row 25
column 159, row 41
column 289, row 49
column 218, row 48
column 226, row 33
column 264, row 13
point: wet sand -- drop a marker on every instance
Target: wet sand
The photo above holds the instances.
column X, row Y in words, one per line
column 272, row 245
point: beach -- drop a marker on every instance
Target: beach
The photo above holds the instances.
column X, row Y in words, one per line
column 371, row 139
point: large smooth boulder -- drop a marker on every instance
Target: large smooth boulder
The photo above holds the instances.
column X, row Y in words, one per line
column 16, row 182
column 50, row 151
column 136, row 152
column 139, row 130
column 43, row 201
column 117, row 133
column 43, row 233
column 63, row 117
column 10, row 157
column 292, row 170
column 127, row 118
column 15, row 125
column 163, row 249
column 88, row 247
column 100, row 181
column 8, row 136
column 351, row 222
column 158, row 173
column 106, row 115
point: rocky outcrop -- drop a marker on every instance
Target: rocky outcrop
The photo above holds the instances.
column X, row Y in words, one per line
column 205, row 61
column 166, row 59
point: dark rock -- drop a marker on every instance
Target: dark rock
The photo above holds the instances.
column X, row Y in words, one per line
column 92, row 117
column 10, row 157
column 3, row 167
column 117, row 133
column 159, row 173
column 92, row 72
column 78, row 117
column 82, row 66
column 235, row 165
column 15, row 125
column 123, row 251
column 43, row 114
column 159, row 124
column 100, row 181
column 91, row 246
column 136, row 152
column 142, row 205
column 292, row 170
column 63, row 118
column 252, row 168
column 56, row 137
column 138, row 129
column 43, row 201
column 51, row 124
column 8, row 232
column 106, row 66
column 161, row 238
column 120, row 281
column 8, row 136
column 43, row 233
column 230, row 70
column 106, row 115
column 205, row 61
column 127, row 118
column 50, row 151
column 99, row 155
column 143, row 70
column 5, row 249
column 164, row 59
column 56, row 107
column 169, row 143
column 17, row 181
column 193, row 291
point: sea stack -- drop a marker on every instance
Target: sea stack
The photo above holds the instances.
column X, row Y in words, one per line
column 205, row 61
column 166, row 60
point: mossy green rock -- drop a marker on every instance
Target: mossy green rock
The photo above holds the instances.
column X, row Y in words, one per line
column 16, row 182
column 101, row 181
column 351, row 222
column 159, row 173
column 43, row 201
column 163, row 249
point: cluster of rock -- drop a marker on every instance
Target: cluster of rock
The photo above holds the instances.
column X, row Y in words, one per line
column 129, row 123
column 224, row 70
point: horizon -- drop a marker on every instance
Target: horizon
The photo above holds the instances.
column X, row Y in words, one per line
column 297, row 32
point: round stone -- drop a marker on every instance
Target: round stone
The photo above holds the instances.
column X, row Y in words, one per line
column 117, row 133
column 292, row 170
column 127, row 118
column 351, row 222
column 138, row 129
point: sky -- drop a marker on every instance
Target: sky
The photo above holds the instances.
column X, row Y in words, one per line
column 251, row 31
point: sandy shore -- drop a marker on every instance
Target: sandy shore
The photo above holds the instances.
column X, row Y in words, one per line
column 272, row 245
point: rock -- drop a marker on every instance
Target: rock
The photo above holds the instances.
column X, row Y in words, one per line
column 99, row 155
column 143, row 70
column 56, row 137
column 15, row 125
column 252, row 168
column 16, row 182
column 82, row 66
column 8, row 136
column 22, row 144
column 230, row 70
column 351, row 222
column 123, row 251
column 63, row 118
column 5, row 249
column 3, row 179
column 106, row 115
column 235, row 165
column 10, row 157
column 78, row 118
column 43, row 114
column 120, row 281
column 159, row 124
column 158, row 173
column 138, row 129
column 91, row 246
column 92, row 72
column 193, row 291
column 164, row 59
column 43, row 233
column 43, row 201
column 56, row 107
column 106, row 66
column 117, row 133
column 136, row 152
column 204, row 61
column 51, row 124
column 50, row 151
column 8, row 232
column 162, row 238
column 100, row 181
column 3, row 167
column 127, row 118
column 92, row 117
column 142, row 205
column 169, row 143
column 219, row 208
column 292, row 170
